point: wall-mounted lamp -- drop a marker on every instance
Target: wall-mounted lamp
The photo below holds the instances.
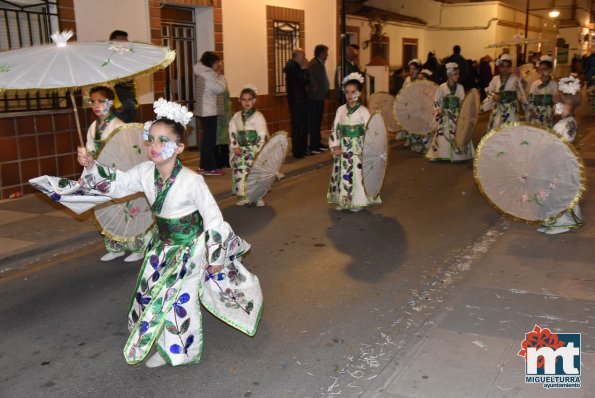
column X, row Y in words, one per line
column 554, row 13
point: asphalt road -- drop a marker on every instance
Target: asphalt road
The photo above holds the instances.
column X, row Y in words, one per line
column 333, row 282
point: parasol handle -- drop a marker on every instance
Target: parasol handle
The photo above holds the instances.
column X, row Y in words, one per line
column 76, row 119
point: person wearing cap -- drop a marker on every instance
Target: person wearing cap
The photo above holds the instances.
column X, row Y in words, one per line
column 542, row 94
column 570, row 99
column 447, row 104
column 504, row 93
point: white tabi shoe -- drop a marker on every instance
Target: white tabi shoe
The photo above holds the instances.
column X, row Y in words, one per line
column 260, row 203
column 155, row 361
column 556, row 230
column 356, row 209
column 134, row 257
column 280, row 176
column 242, row 202
column 109, row 256
column 541, row 229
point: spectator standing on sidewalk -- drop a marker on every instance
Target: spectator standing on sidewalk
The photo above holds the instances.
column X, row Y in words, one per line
column 318, row 90
column 296, row 81
column 209, row 86
column 125, row 103
column 351, row 56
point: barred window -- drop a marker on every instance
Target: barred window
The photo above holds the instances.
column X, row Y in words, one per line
column 26, row 24
column 286, row 37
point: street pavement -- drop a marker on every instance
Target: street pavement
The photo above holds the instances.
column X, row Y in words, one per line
column 428, row 295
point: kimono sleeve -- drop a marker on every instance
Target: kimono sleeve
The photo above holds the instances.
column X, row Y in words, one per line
column 233, row 128
column 493, row 87
column 219, row 237
column 438, row 98
column 263, row 131
column 90, row 144
column 113, row 182
column 333, row 139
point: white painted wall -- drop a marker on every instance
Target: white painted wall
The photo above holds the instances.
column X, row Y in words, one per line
column 95, row 20
column 245, row 41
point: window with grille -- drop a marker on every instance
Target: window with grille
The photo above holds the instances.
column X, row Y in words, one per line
column 26, row 24
column 286, row 37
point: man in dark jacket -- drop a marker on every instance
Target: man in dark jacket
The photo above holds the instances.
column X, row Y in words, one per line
column 351, row 55
column 126, row 91
column 318, row 90
column 296, row 81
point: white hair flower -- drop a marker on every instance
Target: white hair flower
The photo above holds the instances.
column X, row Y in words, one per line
column 426, row 72
column 546, row 58
column 251, row 87
column 169, row 110
column 451, row 67
column 503, row 57
column 414, row 60
column 569, row 85
column 353, row 76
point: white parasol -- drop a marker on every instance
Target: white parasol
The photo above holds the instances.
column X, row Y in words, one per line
column 63, row 66
column 467, row 119
column 266, row 166
column 124, row 220
column 528, row 173
column 375, row 155
column 414, row 107
column 384, row 102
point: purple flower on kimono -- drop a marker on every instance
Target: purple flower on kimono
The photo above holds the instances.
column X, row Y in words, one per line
column 56, row 197
column 359, row 166
column 177, row 349
column 142, row 300
column 154, row 261
column 346, row 177
column 181, row 311
column 144, row 326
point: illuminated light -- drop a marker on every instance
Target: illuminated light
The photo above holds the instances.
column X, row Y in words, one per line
column 554, row 14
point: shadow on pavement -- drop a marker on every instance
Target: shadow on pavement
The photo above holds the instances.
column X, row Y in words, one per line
column 247, row 220
column 376, row 243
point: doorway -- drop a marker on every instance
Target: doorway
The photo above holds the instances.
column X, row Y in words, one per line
column 178, row 32
column 409, row 50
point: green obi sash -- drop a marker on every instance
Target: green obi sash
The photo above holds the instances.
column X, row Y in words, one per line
column 247, row 137
column 355, row 131
column 542, row 99
column 507, row 96
column 179, row 231
column 450, row 102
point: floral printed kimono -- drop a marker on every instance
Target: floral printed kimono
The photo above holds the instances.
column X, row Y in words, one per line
column 97, row 133
column 247, row 131
column 510, row 91
column 416, row 143
column 541, row 102
column 173, row 280
column 346, row 188
column 443, row 145
column 567, row 128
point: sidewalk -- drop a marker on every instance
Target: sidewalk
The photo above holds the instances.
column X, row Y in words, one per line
column 34, row 227
column 468, row 347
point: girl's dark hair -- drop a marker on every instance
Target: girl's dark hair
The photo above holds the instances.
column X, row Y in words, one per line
column 549, row 64
column 415, row 65
column 177, row 128
column 248, row 90
column 209, row 58
column 354, row 82
column 103, row 90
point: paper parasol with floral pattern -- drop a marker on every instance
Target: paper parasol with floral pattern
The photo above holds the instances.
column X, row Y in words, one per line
column 384, row 102
column 528, row 173
column 63, row 66
column 374, row 155
column 414, row 107
column 266, row 166
column 124, row 219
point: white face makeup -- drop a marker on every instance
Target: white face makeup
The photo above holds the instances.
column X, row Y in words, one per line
column 162, row 143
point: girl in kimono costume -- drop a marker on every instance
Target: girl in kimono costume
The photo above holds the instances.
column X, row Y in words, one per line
column 193, row 258
column 542, row 95
column 247, row 134
column 415, row 142
column 447, row 102
column 570, row 90
column 504, row 92
column 346, row 188
column 101, row 99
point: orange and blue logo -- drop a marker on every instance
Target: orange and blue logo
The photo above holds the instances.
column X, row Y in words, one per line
column 552, row 359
